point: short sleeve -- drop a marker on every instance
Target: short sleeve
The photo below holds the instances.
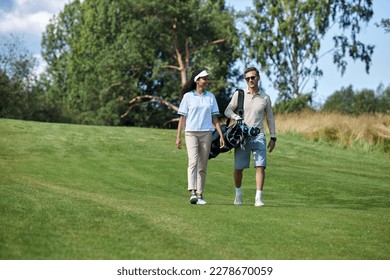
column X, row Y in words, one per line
column 183, row 108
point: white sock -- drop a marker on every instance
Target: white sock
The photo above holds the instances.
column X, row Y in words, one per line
column 258, row 194
column 238, row 191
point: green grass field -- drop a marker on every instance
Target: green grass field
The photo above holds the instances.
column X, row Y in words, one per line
column 88, row 192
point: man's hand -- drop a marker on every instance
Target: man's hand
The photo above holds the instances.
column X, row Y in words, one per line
column 239, row 120
column 271, row 145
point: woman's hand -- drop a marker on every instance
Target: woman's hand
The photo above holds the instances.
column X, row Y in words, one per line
column 178, row 142
column 221, row 142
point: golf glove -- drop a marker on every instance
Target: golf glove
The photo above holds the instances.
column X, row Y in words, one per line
column 239, row 120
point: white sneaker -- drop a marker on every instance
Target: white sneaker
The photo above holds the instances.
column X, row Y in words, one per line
column 193, row 199
column 238, row 200
column 201, row 201
column 258, row 202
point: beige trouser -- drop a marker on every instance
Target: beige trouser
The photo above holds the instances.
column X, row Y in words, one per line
column 198, row 149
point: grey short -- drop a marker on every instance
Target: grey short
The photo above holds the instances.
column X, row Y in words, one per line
column 258, row 146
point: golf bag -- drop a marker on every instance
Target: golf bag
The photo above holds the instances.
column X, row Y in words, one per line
column 234, row 135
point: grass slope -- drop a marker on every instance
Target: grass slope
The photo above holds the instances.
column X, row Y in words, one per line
column 86, row 192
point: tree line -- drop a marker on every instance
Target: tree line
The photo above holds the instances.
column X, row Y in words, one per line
column 123, row 62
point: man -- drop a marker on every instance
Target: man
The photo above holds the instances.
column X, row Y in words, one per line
column 256, row 105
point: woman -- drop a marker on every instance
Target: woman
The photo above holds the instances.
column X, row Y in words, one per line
column 199, row 115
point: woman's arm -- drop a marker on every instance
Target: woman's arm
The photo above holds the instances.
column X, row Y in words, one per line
column 182, row 121
column 218, row 127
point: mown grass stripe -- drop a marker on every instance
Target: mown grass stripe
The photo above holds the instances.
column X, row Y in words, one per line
column 85, row 192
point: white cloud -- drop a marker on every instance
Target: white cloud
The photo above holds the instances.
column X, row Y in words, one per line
column 41, row 65
column 25, row 23
column 29, row 19
column 29, row 16
column 32, row 6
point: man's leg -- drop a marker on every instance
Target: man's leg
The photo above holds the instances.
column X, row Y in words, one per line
column 238, row 173
column 260, row 175
column 259, row 159
column 237, row 182
column 241, row 161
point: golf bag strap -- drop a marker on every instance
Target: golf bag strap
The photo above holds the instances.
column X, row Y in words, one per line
column 240, row 105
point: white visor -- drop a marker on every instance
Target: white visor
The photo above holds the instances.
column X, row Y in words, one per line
column 200, row 75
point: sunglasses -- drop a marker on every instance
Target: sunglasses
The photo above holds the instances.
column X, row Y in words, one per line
column 252, row 78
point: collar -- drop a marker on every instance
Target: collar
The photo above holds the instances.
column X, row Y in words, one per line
column 196, row 94
column 259, row 93
column 251, row 93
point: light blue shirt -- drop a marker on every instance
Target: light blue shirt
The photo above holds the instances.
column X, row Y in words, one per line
column 198, row 110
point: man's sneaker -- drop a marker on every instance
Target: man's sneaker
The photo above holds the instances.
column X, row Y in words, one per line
column 201, row 201
column 238, row 200
column 258, row 202
column 193, row 199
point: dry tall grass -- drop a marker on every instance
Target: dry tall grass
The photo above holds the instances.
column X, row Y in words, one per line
column 365, row 130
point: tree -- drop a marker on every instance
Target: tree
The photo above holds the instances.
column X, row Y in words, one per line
column 16, row 78
column 365, row 101
column 347, row 101
column 383, row 95
column 301, row 103
column 341, row 101
column 385, row 24
column 284, row 37
column 101, row 54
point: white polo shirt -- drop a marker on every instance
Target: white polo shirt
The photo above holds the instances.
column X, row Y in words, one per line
column 198, row 110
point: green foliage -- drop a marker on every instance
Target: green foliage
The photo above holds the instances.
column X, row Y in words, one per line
column 385, row 24
column 96, row 192
column 297, row 104
column 15, row 60
column 101, row 54
column 340, row 101
column 365, row 101
column 16, row 79
column 383, row 96
column 284, row 38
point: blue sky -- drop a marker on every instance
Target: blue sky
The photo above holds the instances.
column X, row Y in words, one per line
column 28, row 19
